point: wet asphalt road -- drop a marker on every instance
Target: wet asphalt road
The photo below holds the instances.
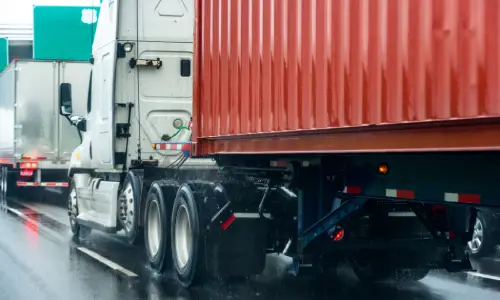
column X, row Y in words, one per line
column 38, row 260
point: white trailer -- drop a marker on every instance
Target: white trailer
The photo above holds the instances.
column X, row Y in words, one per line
column 35, row 141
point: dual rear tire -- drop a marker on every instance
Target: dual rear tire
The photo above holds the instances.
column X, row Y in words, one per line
column 173, row 235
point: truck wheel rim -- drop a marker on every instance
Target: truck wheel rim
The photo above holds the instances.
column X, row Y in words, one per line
column 128, row 207
column 154, row 228
column 477, row 237
column 183, row 236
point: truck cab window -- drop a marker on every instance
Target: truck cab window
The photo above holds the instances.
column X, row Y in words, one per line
column 89, row 96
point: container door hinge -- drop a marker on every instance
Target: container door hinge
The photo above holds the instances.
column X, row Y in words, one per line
column 145, row 63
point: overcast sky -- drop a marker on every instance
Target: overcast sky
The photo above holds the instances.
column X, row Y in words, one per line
column 21, row 11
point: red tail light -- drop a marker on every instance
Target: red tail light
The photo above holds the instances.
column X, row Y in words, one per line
column 337, row 236
column 29, row 165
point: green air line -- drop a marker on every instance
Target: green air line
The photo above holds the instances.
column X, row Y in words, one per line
column 178, row 131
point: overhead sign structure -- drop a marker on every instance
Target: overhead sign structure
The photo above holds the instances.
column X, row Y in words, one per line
column 4, row 53
column 64, row 32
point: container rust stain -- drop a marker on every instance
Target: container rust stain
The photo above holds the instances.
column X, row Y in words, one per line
column 269, row 67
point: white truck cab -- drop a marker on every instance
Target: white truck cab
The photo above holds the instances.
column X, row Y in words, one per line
column 133, row 104
column 132, row 171
column 140, row 93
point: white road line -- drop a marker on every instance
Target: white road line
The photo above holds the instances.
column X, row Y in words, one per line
column 35, row 223
column 90, row 253
column 43, row 211
column 484, row 276
column 107, row 262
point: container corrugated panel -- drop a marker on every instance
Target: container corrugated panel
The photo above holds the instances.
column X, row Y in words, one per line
column 64, row 32
column 266, row 67
column 4, row 53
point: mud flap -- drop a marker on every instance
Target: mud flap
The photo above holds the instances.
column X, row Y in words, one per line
column 236, row 245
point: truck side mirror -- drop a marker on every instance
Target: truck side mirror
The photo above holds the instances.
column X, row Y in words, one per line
column 65, row 101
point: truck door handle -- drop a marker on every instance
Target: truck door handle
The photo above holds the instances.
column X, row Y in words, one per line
column 145, row 63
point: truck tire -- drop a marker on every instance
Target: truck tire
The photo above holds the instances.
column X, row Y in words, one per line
column 7, row 185
column 3, row 199
column 483, row 241
column 187, row 244
column 129, row 205
column 77, row 230
column 156, row 228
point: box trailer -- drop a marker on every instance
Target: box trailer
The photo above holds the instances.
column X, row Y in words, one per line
column 330, row 130
column 35, row 142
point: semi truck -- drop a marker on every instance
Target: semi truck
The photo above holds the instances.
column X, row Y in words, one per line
column 220, row 131
column 35, row 141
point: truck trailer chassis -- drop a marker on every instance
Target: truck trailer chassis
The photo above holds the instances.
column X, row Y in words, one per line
column 323, row 209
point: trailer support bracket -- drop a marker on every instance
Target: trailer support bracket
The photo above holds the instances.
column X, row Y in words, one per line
column 330, row 221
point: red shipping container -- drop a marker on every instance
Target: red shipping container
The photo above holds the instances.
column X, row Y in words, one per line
column 299, row 76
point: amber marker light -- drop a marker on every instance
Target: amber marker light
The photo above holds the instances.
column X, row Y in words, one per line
column 383, row 169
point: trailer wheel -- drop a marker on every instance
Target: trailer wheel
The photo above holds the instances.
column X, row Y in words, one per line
column 4, row 184
column 2, row 187
column 156, row 222
column 187, row 238
column 7, row 185
column 129, row 205
column 76, row 229
column 483, row 241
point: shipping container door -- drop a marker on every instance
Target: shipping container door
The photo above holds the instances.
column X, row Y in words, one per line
column 36, row 109
column 78, row 75
column 165, row 31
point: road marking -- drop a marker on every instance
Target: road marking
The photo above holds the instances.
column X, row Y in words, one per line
column 37, row 224
column 45, row 212
column 90, row 253
column 484, row 276
column 106, row 262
